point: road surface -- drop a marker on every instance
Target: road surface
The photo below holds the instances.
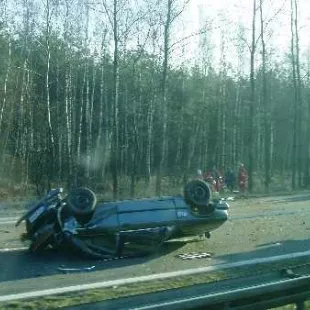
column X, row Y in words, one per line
column 257, row 227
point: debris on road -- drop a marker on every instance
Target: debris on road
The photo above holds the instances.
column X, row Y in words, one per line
column 5, row 231
column 65, row 269
column 193, row 255
column 230, row 198
column 289, row 273
column 268, row 245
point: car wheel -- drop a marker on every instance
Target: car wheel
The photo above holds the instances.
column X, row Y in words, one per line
column 82, row 201
column 197, row 193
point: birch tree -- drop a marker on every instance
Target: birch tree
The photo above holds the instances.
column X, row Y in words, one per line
column 68, row 97
column 6, row 79
column 113, row 19
column 265, row 99
column 296, row 154
column 50, row 156
column 252, row 99
column 299, row 103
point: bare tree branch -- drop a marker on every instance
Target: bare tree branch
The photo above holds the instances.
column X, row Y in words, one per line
column 104, row 4
column 188, row 37
column 176, row 15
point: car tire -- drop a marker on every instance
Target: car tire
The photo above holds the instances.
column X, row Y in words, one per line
column 82, row 201
column 197, row 193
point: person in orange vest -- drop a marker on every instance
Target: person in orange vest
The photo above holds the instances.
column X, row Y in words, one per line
column 242, row 178
column 210, row 180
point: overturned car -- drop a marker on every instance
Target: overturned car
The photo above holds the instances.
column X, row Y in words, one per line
column 120, row 228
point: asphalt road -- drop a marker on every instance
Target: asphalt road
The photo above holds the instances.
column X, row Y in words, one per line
column 257, row 227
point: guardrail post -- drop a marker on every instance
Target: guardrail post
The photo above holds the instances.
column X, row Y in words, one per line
column 300, row 305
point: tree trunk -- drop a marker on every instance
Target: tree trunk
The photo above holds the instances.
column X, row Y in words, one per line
column 223, row 129
column 149, row 144
column 5, row 83
column 68, row 101
column 267, row 127
column 251, row 119
column 51, row 141
column 115, row 147
column 295, row 108
column 87, row 123
column 307, row 144
column 80, row 130
column 300, row 139
column 163, row 100
column 91, row 116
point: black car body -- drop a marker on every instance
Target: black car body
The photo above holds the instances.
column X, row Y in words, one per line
column 121, row 228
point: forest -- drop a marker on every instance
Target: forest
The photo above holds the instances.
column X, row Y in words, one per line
column 107, row 95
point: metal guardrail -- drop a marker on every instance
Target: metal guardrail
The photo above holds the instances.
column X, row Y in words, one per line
column 148, row 278
column 255, row 292
column 261, row 296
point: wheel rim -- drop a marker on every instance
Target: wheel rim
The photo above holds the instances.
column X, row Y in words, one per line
column 82, row 200
column 197, row 193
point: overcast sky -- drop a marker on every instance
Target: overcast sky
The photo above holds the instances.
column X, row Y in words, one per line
column 223, row 18
column 226, row 15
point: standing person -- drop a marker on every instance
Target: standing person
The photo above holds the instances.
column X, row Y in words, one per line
column 210, row 180
column 199, row 174
column 215, row 173
column 218, row 179
column 242, row 178
column 230, row 179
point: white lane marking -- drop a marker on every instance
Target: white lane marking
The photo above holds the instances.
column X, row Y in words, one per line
column 22, row 248
column 160, row 276
column 7, row 222
column 11, row 218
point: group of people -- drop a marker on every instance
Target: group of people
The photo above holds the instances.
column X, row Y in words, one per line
column 218, row 180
